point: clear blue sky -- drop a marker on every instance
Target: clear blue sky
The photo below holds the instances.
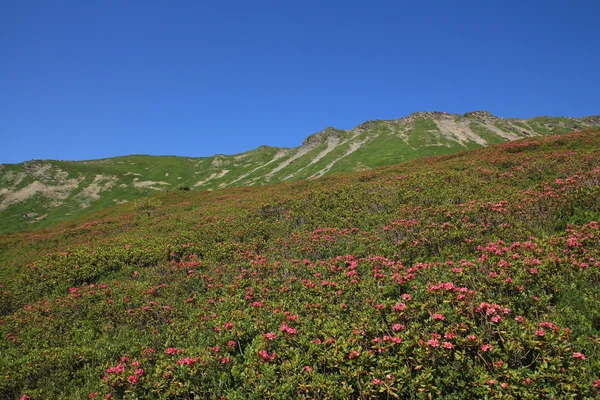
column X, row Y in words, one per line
column 91, row 79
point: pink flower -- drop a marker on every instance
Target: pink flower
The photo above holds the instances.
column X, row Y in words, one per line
column 399, row 307
column 119, row 369
column 307, row 368
column 397, row 327
column 225, row 360
column 377, row 381
column 186, row 361
column 486, row 347
column 266, row 356
column 353, row 354
column 139, row 372
column 579, row 356
column 93, row 395
column 540, row 333
column 287, row 329
column 597, row 383
column 173, row 350
column 472, row 338
column 519, row 319
column 433, row 342
column 132, row 379
column 269, row 336
column 447, row 345
column 438, row 317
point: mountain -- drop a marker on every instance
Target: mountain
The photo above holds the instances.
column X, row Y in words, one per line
column 467, row 276
column 42, row 192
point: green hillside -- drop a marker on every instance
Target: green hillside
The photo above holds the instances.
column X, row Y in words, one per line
column 38, row 194
column 464, row 276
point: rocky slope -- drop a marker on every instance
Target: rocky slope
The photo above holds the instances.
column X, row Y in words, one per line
column 40, row 193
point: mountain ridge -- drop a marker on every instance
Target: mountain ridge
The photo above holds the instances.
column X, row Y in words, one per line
column 42, row 192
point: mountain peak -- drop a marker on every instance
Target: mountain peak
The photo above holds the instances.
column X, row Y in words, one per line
column 322, row 136
column 481, row 114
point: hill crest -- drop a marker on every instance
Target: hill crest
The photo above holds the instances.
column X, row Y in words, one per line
column 42, row 192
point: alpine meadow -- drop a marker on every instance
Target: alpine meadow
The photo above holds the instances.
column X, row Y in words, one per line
column 467, row 275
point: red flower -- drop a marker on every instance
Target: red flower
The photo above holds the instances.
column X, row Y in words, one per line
column 540, row 333
column 486, row 347
column 132, row 379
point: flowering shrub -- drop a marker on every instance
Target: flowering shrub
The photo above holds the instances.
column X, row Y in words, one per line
column 472, row 276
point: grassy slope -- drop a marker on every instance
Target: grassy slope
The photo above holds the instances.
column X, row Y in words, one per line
column 381, row 143
column 493, row 213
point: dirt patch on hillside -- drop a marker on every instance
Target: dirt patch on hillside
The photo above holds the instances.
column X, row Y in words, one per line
column 91, row 193
column 54, row 193
column 353, row 147
column 277, row 156
column 332, row 143
column 14, row 177
column 212, row 176
column 453, row 130
column 301, row 151
column 148, row 184
column 506, row 135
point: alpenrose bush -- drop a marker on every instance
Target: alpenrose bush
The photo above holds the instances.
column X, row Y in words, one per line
column 469, row 276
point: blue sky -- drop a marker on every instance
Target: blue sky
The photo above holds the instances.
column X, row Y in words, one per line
column 92, row 79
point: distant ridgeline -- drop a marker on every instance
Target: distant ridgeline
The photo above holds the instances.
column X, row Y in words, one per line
column 42, row 193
